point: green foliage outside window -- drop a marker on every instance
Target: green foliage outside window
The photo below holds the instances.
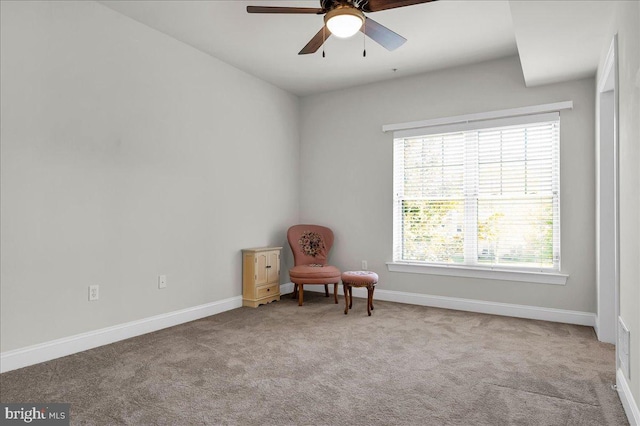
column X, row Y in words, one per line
column 433, row 230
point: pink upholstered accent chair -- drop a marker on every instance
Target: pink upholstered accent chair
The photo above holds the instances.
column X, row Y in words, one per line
column 310, row 245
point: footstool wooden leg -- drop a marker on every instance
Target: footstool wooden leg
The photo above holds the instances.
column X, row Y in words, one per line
column 300, row 295
column 326, row 290
column 369, row 299
column 335, row 292
column 373, row 290
column 350, row 297
column 346, row 299
column 295, row 291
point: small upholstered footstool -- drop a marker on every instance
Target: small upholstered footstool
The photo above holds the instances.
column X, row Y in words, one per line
column 351, row 279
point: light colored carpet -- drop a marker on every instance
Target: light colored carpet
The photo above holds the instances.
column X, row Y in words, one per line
column 281, row 364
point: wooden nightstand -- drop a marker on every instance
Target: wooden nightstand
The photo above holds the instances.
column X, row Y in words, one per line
column 260, row 275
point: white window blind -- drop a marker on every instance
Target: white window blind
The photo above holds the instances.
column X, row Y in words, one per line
column 479, row 194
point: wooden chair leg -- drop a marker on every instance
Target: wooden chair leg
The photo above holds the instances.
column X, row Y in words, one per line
column 295, row 291
column 369, row 299
column 373, row 290
column 350, row 297
column 326, row 290
column 335, row 292
column 301, row 295
column 346, row 299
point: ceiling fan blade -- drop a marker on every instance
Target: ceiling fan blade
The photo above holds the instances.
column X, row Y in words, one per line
column 377, row 5
column 382, row 35
column 276, row 9
column 317, row 41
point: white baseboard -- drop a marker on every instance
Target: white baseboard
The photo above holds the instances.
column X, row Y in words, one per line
column 286, row 288
column 42, row 352
column 629, row 404
column 470, row 305
column 23, row 357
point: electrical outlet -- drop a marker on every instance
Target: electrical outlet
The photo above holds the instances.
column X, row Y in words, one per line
column 162, row 281
column 364, row 265
column 94, row 292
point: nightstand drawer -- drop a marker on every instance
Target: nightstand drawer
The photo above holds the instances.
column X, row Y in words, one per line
column 267, row 290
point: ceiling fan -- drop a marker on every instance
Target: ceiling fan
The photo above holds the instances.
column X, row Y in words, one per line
column 344, row 18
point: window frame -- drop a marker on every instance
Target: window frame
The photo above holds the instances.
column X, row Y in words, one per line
column 475, row 122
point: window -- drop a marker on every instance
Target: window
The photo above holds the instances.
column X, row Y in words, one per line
column 482, row 194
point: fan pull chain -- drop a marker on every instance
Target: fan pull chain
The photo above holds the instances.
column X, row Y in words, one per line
column 364, row 39
column 323, row 40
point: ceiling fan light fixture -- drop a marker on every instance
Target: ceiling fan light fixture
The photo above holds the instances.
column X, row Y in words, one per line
column 344, row 21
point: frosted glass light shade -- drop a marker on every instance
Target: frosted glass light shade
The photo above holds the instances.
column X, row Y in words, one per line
column 344, row 22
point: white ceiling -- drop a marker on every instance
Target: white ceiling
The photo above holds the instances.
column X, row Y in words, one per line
column 560, row 40
column 556, row 40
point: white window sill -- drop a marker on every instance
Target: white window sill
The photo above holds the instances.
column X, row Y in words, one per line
column 479, row 272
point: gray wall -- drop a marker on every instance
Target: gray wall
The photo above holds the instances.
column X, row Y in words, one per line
column 626, row 24
column 346, row 174
column 127, row 154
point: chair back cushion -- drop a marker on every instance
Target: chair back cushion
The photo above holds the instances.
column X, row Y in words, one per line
column 310, row 244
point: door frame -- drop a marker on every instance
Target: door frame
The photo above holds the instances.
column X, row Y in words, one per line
column 607, row 201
